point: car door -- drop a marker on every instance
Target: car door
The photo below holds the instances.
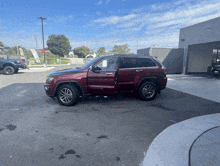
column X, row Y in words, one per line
column 103, row 81
column 127, row 74
column 147, row 67
column 132, row 70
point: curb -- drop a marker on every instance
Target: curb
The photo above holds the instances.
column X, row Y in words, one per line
column 171, row 147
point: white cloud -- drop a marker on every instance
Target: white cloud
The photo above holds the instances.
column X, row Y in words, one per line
column 107, row 1
column 115, row 19
column 157, row 24
column 99, row 3
column 60, row 19
column 98, row 13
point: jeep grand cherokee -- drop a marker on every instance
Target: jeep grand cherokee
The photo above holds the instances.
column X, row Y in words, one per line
column 107, row 75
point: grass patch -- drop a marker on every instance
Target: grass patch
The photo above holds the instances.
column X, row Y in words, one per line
column 64, row 61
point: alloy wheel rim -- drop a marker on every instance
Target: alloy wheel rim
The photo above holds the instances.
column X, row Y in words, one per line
column 66, row 95
column 148, row 91
column 8, row 70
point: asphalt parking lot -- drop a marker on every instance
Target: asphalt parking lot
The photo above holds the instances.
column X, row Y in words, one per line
column 112, row 131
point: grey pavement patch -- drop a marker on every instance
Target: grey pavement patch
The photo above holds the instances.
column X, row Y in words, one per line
column 130, row 134
column 10, row 127
column 177, row 139
column 70, row 151
column 78, row 156
column 62, row 157
column 103, row 137
column 205, row 149
column 36, row 69
column 161, row 106
column 198, row 86
column 117, row 158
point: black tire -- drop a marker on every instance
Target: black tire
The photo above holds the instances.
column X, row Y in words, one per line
column 148, row 91
column 68, row 95
column 16, row 70
column 9, row 70
column 209, row 70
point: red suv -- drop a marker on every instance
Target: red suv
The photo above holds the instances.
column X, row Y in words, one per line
column 107, row 75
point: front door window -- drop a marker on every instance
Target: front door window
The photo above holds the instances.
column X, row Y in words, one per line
column 108, row 64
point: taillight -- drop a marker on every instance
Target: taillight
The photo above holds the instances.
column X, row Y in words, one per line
column 21, row 62
column 164, row 69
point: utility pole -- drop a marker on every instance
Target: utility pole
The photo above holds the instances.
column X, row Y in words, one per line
column 43, row 37
column 36, row 41
column 17, row 50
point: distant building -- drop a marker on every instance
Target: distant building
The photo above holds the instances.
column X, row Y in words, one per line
column 172, row 58
column 91, row 54
column 198, row 45
column 111, row 53
column 200, row 41
column 71, row 53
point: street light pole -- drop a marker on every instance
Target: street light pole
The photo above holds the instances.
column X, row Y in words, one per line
column 43, row 36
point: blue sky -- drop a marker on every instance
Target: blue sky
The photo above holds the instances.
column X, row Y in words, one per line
column 102, row 23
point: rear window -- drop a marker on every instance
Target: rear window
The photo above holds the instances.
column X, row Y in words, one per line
column 133, row 62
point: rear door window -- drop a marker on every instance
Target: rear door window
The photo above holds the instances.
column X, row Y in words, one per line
column 145, row 62
column 133, row 62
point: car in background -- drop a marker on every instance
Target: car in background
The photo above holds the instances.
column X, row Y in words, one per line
column 108, row 75
column 11, row 66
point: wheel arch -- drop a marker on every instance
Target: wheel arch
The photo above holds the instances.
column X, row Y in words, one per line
column 73, row 83
column 8, row 64
column 151, row 79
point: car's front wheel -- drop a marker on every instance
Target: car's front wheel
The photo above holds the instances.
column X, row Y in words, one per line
column 9, row 70
column 148, row 91
column 67, row 95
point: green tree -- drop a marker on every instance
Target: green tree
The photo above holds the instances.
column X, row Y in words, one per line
column 15, row 50
column 121, row 49
column 6, row 47
column 81, row 52
column 1, row 47
column 101, row 51
column 59, row 45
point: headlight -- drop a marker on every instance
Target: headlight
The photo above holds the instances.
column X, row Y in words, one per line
column 50, row 79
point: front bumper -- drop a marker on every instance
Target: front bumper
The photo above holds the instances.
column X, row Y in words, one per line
column 215, row 70
column 48, row 90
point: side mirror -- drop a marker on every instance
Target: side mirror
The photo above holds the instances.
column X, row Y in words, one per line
column 95, row 68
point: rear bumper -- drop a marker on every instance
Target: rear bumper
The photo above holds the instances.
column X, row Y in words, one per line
column 20, row 66
column 163, row 83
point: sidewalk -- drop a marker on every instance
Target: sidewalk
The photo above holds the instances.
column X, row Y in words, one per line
column 195, row 141
column 36, row 69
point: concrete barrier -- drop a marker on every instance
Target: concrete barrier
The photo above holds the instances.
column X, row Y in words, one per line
column 80, row 61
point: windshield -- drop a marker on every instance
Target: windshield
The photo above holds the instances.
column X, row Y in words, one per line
column 91, row 62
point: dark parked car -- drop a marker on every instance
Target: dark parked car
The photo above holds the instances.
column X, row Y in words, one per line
column 11, row 66
column 107, row 75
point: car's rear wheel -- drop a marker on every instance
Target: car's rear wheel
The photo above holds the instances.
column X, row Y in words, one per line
column 9, row 70
column 148, row 91
column 67, row 95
